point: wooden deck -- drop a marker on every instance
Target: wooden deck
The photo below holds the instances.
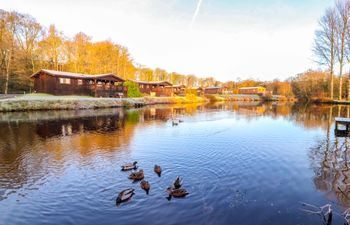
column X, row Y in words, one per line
column 341, row 132
column 342, row 120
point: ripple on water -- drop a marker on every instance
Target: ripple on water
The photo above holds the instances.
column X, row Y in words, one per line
column 237, row 170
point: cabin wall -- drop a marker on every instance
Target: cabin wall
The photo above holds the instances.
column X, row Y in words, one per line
column 159, row 91
column 213, row 91
column 74, row 88
column 44, row 83
column 178, row 91
column 251, row 91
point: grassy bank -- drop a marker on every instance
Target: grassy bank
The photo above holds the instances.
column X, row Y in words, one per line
column 246, row 98
column 327, row 101
column 233, row 97
column 48, row 102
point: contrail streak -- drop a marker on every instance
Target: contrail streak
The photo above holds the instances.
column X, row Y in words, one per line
column 196, row 12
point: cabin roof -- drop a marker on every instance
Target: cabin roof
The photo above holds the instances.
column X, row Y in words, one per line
column 162, row 83
column 77, row 75
column 212, row 88
column 196, row 88
column 246, row 88
column 178, row 86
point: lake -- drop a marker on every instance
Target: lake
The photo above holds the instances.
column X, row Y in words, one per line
column 243, row 163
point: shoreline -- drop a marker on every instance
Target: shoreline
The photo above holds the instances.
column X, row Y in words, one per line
column 327, row 101
column 41, row 102
column 48, row 102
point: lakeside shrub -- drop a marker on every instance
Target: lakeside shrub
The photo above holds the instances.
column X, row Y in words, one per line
column 267, row 97
column 191, row 97
column 133, row 89
column 190, row 91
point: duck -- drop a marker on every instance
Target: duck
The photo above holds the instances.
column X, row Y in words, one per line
column 158, row 170
column 178, row 182
column 176, row 193
column 129, row 166
column 145, row 186
column 125, row 195
column 137, row 175
column 175, row 122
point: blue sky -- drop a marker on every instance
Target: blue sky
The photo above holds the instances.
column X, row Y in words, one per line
column 262, row 39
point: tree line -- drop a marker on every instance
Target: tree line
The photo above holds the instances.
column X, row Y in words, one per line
column 332, row 49
column 26, row 46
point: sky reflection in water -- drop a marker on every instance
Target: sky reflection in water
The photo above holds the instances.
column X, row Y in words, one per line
column 243, row 163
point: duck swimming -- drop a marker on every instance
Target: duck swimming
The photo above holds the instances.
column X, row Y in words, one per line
column 178, row 182
column 129, row 166
column 158, row 170
column 125, row 195
column 145, row 186
column 176, row 193
column 176, row 122
column 137, row 175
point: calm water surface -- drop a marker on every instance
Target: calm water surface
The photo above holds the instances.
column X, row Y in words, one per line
column 243, row 163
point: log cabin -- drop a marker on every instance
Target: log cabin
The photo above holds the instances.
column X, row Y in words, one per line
column 214, row 90
column 155, row 88
column 199, row 90
column 179, row 90
column 66, row 83
column 252, row 90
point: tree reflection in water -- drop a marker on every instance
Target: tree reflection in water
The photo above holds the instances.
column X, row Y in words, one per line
column 330, row 162
column 31, row 142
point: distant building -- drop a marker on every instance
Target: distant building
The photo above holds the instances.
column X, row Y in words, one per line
column 155, row 88
column 252, row 90
column 214, row 90
column 66, row 83
column 179, row 90
column 197, row 90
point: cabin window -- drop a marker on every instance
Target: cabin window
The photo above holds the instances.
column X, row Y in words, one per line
column 80, row 82
column 64, row 80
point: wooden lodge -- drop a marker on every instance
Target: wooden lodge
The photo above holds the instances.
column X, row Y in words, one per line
column 198, row 91
column 252, row 90
column 214, row 90
column 179, row 90
column 66, row 83
column 344, row 122
column 155, row 88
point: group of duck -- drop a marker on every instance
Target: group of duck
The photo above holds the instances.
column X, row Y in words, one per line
column 174, row 191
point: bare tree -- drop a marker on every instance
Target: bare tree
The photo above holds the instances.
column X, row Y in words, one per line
column 347, row 41
column 27, row 35
column 10, row 22
column 325, row 43
column 343, row 16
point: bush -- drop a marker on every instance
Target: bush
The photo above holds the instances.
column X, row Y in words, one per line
column 191, row 97
column 267, row 97
column 190, row 91
column 133, row 89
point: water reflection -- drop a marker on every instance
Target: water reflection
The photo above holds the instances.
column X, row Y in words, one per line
column 330, row 160
column 38, row 149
